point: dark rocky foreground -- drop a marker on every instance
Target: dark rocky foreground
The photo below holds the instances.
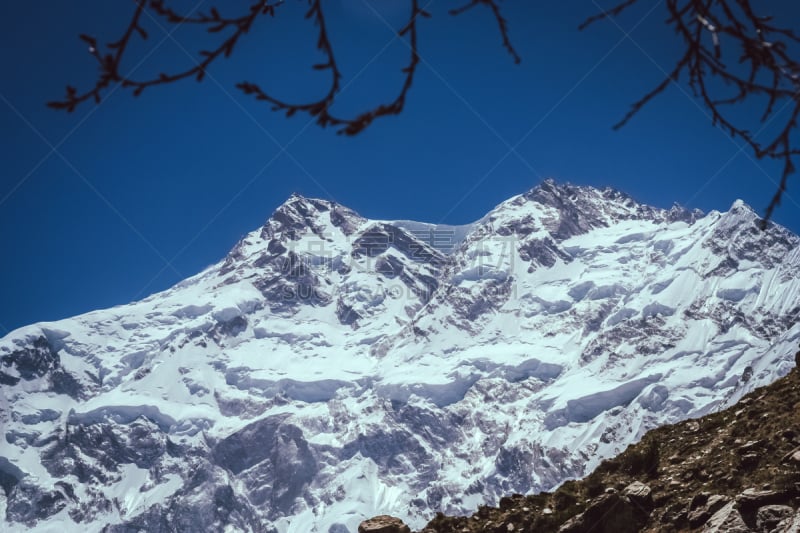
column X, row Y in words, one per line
column 735, row 471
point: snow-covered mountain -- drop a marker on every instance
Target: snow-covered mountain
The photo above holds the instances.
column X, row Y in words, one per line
column 332, row 368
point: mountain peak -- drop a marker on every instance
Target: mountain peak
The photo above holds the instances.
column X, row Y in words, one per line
column 299, row 214
column 299, row 202
column 572, row 210
column 740, row 207
column 554, row 194
column 738, row 213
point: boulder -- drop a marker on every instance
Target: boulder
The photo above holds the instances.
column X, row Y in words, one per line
column 790, row 525
column 726, row 520
column 752, row 499
column 749, row 461
column 751, row 447
column 609, row 513
column 792, row 457
column 700, row 513
column 795, row 457
column 639, row 494
column 769, row 516
column 383, row 524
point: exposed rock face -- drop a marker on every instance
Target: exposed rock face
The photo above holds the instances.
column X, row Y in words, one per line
column 34, row 361
column 38, row 360
column 272, row 459
column 30, row 503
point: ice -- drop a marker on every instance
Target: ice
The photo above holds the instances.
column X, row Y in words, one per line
column 656, row 309
column 192, row 311
column 581, row 290
column 734, row 295
column 123, row 414
column 589, row 406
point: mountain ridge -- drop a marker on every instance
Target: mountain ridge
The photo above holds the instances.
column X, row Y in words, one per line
column 359, row 367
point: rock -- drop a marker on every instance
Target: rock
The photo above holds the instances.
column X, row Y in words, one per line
column 700, row 512
column 269, row 453
column 507, row 503
column 726, row 520
column 752, row 499
column 749, row 460
column 383, row 524
column 751, row 446
column 33, row 361
column 769, row 516
column 639, row 494
column 698, row 500
column 205, row 502
column 28, row 503
column 792, row 457
column 790, row 525
column 608, row 513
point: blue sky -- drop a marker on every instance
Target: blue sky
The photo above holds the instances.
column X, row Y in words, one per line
column 117, row 201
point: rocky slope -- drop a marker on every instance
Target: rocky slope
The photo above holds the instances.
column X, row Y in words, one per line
column 734, row 471
column 332, row 367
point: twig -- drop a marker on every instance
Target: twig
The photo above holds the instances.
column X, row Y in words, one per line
column 766, row 71
column 215, row 23
column 502, row 23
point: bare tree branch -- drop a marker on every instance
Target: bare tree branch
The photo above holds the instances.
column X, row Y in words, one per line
column 502, row 23
column 110, row 63
column 732, row 55
column 214, row 22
